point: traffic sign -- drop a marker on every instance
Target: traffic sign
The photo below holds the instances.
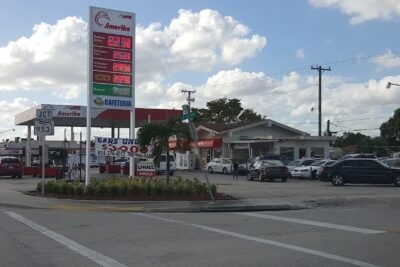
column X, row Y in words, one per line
column 44, row 127
column 190, row 115
column 44, row 114
column 185, row 109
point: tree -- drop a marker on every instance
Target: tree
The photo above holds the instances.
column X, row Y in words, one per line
column 363, row 143
column 390, row 130
column 225, row 110
column 158, row 135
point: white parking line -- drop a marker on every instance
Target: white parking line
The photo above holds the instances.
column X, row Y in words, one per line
column 264, row 241
column 313, row 223
column 72, row 245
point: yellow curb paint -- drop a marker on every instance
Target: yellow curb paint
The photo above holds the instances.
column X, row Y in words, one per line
column 395, row 230
column 97, row 208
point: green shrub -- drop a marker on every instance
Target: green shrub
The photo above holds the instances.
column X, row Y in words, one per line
column 131, row 186
column 79, row 189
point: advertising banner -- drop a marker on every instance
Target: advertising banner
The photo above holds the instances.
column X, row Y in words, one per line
column 115, row 147
column 146, row 169
column 111, row 66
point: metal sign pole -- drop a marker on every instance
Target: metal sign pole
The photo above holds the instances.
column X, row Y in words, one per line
column 43, row 172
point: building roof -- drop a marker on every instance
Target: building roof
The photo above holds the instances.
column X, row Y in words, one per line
column 220, row 128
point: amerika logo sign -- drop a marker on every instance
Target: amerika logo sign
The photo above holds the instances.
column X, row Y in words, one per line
column 102, row 17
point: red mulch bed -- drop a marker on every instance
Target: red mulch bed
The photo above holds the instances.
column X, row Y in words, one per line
column 219, row 196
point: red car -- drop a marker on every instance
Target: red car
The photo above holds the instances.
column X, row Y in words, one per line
column 10, row 166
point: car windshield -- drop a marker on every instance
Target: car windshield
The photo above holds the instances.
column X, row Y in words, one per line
column 318, row 163
column 294, row 163
column 273, row 163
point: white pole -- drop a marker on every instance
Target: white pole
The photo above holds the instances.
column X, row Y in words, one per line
column 43, row 139
column 88, row 108
column 133, row 111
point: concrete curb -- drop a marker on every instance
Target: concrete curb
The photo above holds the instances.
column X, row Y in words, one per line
column 239, row 205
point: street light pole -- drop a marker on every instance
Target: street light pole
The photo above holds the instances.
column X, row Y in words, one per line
column 389, row 84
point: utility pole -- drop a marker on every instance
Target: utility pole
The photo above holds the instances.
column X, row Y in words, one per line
column 189, row 97
column 320, row 70
column 196, row 139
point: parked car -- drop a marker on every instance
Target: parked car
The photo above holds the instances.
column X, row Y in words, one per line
column 299, row 163
column 358, row 156
column 328, row 163
column 268, row 169
column 309, row 172
column 281, row 158
column 10, row 166
column 161, row 166
column 222, row 165
column 392, row 162
column 360, row 171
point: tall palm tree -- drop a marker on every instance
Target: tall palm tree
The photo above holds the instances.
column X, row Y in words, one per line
column 158, row 135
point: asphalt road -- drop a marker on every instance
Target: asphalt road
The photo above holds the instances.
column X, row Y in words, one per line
column 355, row 226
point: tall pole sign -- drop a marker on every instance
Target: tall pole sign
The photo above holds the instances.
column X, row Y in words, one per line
column 111, row 66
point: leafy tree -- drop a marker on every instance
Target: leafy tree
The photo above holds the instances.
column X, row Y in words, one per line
column 363, row 143
column 225, row 110
column 158, row 134
column 390, row 130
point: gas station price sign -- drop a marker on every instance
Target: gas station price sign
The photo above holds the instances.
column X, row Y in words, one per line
column 111, row 42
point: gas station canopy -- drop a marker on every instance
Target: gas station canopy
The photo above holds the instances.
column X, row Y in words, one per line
column 75, row 116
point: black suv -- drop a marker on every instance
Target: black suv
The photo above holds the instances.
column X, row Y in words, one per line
column 360, row 171
column 10, row 166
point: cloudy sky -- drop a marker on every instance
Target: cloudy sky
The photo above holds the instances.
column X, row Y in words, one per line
column 260, row 52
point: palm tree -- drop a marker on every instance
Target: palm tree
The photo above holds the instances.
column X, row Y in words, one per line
column 158, row 135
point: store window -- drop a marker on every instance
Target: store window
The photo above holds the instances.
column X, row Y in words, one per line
column 288, row 152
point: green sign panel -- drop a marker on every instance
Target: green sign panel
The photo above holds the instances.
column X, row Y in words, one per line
column 112, row 90
column 190, row 115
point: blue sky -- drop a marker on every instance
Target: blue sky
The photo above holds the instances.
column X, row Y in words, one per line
column 258, row 51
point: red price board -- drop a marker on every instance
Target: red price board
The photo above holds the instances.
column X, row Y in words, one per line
column 111, row 78
column 112, row 40
column 113, row 66
column 111, row 53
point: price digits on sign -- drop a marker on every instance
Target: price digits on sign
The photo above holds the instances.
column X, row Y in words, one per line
column 121, row 79
column 123, row 55
column 130, row 149
column 121, row 67
column 119, row 41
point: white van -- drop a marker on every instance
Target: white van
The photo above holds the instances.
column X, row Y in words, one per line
column 162, row 166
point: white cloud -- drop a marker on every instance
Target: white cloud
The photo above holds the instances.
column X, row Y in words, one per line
column 363, row 10
column 53, row 58
column 388, row 60
column 300, row 53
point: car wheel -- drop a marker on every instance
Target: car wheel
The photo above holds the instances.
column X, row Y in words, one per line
column 260, row 177
column 337, row 180
column 284, row 180
column 249, row 177
column 210, row 170
column 397, row 181
column 225, row 171
column 20, row 176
